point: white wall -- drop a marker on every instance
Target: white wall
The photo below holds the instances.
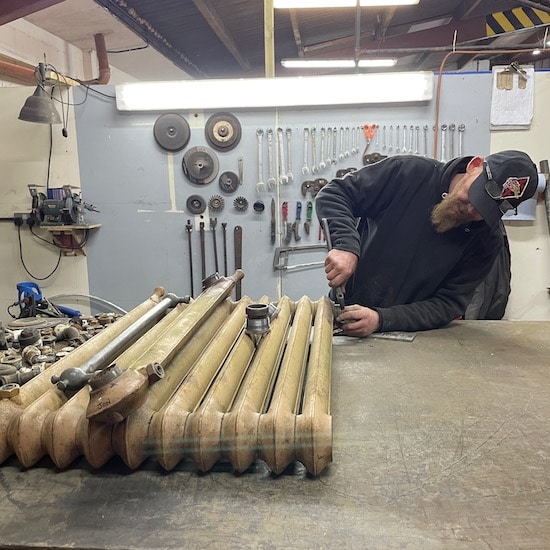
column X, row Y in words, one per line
column 530, row 241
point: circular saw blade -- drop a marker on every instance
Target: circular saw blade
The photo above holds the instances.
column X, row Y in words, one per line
column 171, row 131
column 200, row 165
column 196, row 204
column 229, row 182
column 223, row 131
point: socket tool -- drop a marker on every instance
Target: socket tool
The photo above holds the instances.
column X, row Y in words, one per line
column 339, row 291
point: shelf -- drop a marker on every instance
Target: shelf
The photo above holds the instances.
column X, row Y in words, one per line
column 70, row 238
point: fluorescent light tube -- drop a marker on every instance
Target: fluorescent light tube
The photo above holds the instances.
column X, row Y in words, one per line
column 292, row 4
column 252, row 93
column 318, row 63
column 376, row 62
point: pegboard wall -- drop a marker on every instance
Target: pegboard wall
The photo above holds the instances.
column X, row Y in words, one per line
column 143, row 193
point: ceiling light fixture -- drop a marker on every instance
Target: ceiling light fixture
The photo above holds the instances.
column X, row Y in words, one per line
column 39, row 107
column 318, row 63
column 377, row 62
column 251, row 93
column 292, row 4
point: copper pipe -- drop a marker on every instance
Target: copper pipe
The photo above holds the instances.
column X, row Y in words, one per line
column 103, row 60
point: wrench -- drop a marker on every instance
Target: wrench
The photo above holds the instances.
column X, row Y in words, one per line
column 452, row 128
column 346, row 152
column 397, row 148
column 305, row 167
column 417, row 135
column 271, row 181
column 328, row 159
column 260, row 186
column 322, row 163
column 334, row 159
column 314, row 167
column 384, row 138
column 390, row 146
column 443, row 145
column 411, row 139
column 404, row 138
column 283, row 178
column 425, row 128
column 461, row 129
column 213, row 223
column 289, row 174
column 341, row 153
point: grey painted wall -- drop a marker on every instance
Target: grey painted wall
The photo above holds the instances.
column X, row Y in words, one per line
column 141, row 189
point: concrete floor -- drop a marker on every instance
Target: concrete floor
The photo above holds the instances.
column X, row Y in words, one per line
column 443, row 442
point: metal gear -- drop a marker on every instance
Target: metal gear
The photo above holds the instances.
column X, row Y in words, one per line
column 216, row 203
column 240, row 204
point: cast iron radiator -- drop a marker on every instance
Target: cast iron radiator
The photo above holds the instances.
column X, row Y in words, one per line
column 196, row 385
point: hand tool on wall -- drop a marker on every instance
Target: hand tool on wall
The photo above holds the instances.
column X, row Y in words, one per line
column 404, row 138
column 296, row 224
column 443, row 144
column 240, row 164
column 286, row 226
column 334, row 158
column 397, row 147
column 341, row 149
column 305, row 166
column 340, row 290
column 452, row 128
column 213, row 223
column 189, row 229
column 328, row 158
column 309, row 216
column 369, row 130
column 461, row 128
column 417, row 138
column 322, row 163
column 411, row 139
column 271, row 181
column 224, row 232
column 238, row 247
column 283, row 178
column 314, row 167
column 347, row 152
column 260, row 186
column 272, row 221
column 425, row 128
column 203, row 251
column 390, row 146
column 289, row 173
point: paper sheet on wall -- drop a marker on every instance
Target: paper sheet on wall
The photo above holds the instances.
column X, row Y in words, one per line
column 512, row 98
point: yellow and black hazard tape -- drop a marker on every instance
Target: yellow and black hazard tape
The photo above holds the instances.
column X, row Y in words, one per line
column 514, row 20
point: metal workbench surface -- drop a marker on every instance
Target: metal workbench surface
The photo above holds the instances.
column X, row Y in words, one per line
column 443, row 442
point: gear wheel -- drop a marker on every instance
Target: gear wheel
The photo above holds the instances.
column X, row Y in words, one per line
column 240, row 204
column 216, row 203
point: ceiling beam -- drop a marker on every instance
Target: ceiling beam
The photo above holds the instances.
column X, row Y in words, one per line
column 10, row 10
column 216, row 23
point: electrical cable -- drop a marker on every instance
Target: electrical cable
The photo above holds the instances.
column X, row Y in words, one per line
column 23, row 261
column 62, row 247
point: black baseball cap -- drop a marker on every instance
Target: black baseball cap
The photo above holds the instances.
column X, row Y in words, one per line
column 508, row 178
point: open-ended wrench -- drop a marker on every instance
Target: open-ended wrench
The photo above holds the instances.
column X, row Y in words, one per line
column 322, row 163
column 283, row 178
column 314, row 167
column 417, row 137
column 425, row 128
column 443, row 144
column 260, row 186
column 328, row 159
column 334, row 159
column 289, row 173
column 461, row 128
column 397, row 148
column 452, row 128
column 271, row 181
column 346, row 150
column 305, row 167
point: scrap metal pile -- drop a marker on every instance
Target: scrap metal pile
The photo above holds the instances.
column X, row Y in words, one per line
column 205, row 381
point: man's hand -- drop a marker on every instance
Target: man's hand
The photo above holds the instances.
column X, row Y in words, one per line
column 339, row 266
column 359, row 321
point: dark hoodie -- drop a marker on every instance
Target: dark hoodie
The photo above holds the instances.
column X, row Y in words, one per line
column 415, row 278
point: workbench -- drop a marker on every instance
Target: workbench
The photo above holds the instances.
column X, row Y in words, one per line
column 442, row 442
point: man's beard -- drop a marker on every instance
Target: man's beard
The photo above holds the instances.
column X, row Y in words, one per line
column 451, row 212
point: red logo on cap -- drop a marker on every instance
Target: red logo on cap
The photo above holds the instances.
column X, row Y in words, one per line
column 514, row 188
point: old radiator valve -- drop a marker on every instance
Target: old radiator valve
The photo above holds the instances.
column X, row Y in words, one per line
column 258, row 320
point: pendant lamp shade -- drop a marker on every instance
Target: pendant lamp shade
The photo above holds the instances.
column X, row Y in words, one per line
column 39, row 107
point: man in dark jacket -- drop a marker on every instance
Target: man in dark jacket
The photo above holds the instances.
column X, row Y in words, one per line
column 412, row 237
